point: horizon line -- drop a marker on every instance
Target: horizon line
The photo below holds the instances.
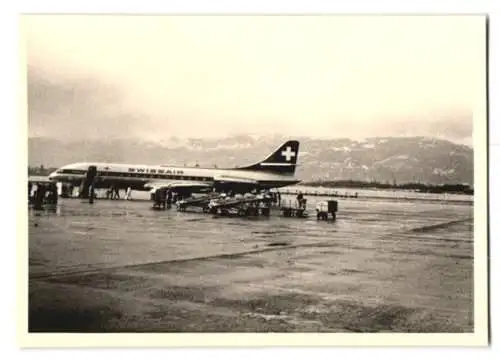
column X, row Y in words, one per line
column 180, row 137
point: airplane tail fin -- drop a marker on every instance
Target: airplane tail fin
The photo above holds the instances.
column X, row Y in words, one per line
column 281, row 161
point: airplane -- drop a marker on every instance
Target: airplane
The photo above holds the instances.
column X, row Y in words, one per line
column 277, row 170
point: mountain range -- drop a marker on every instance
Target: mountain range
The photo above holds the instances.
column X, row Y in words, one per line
column 380, row 159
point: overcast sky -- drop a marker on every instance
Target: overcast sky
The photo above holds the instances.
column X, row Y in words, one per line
column 338, row 76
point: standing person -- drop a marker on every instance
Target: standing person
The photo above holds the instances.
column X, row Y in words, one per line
column 300, row 196
column 128, row 196
column 169, row 198
column 117, row 193
column 156, row 196
column 59, row 188
column 54, row 193
column 39, row 196
column 163, row 194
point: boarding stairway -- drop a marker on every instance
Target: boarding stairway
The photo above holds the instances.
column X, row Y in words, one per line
column 87, row 187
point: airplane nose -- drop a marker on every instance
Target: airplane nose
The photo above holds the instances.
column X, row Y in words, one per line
column 52, row 176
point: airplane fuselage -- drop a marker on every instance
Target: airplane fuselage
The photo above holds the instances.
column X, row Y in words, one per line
column 137, row 176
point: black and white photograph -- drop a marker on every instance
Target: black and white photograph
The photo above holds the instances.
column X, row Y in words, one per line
column 256, row 174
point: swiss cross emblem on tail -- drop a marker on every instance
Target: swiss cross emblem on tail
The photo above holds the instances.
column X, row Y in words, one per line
column 282, row 161
column 288, row 153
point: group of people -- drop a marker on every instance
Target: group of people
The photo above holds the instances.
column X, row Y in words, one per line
column 42, row 193
column 301, row 201
column 164, row 198
column 113, row 193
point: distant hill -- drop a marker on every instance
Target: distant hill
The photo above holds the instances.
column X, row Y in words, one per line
column 381, row 159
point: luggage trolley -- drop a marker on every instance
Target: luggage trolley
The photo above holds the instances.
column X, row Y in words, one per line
column 323, row 208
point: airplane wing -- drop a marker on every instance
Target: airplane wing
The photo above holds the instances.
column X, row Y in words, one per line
column 176, row 185
column 197, row 185
column 234, row 179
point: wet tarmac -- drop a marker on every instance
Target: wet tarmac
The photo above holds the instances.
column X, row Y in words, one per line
column 383, row 266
